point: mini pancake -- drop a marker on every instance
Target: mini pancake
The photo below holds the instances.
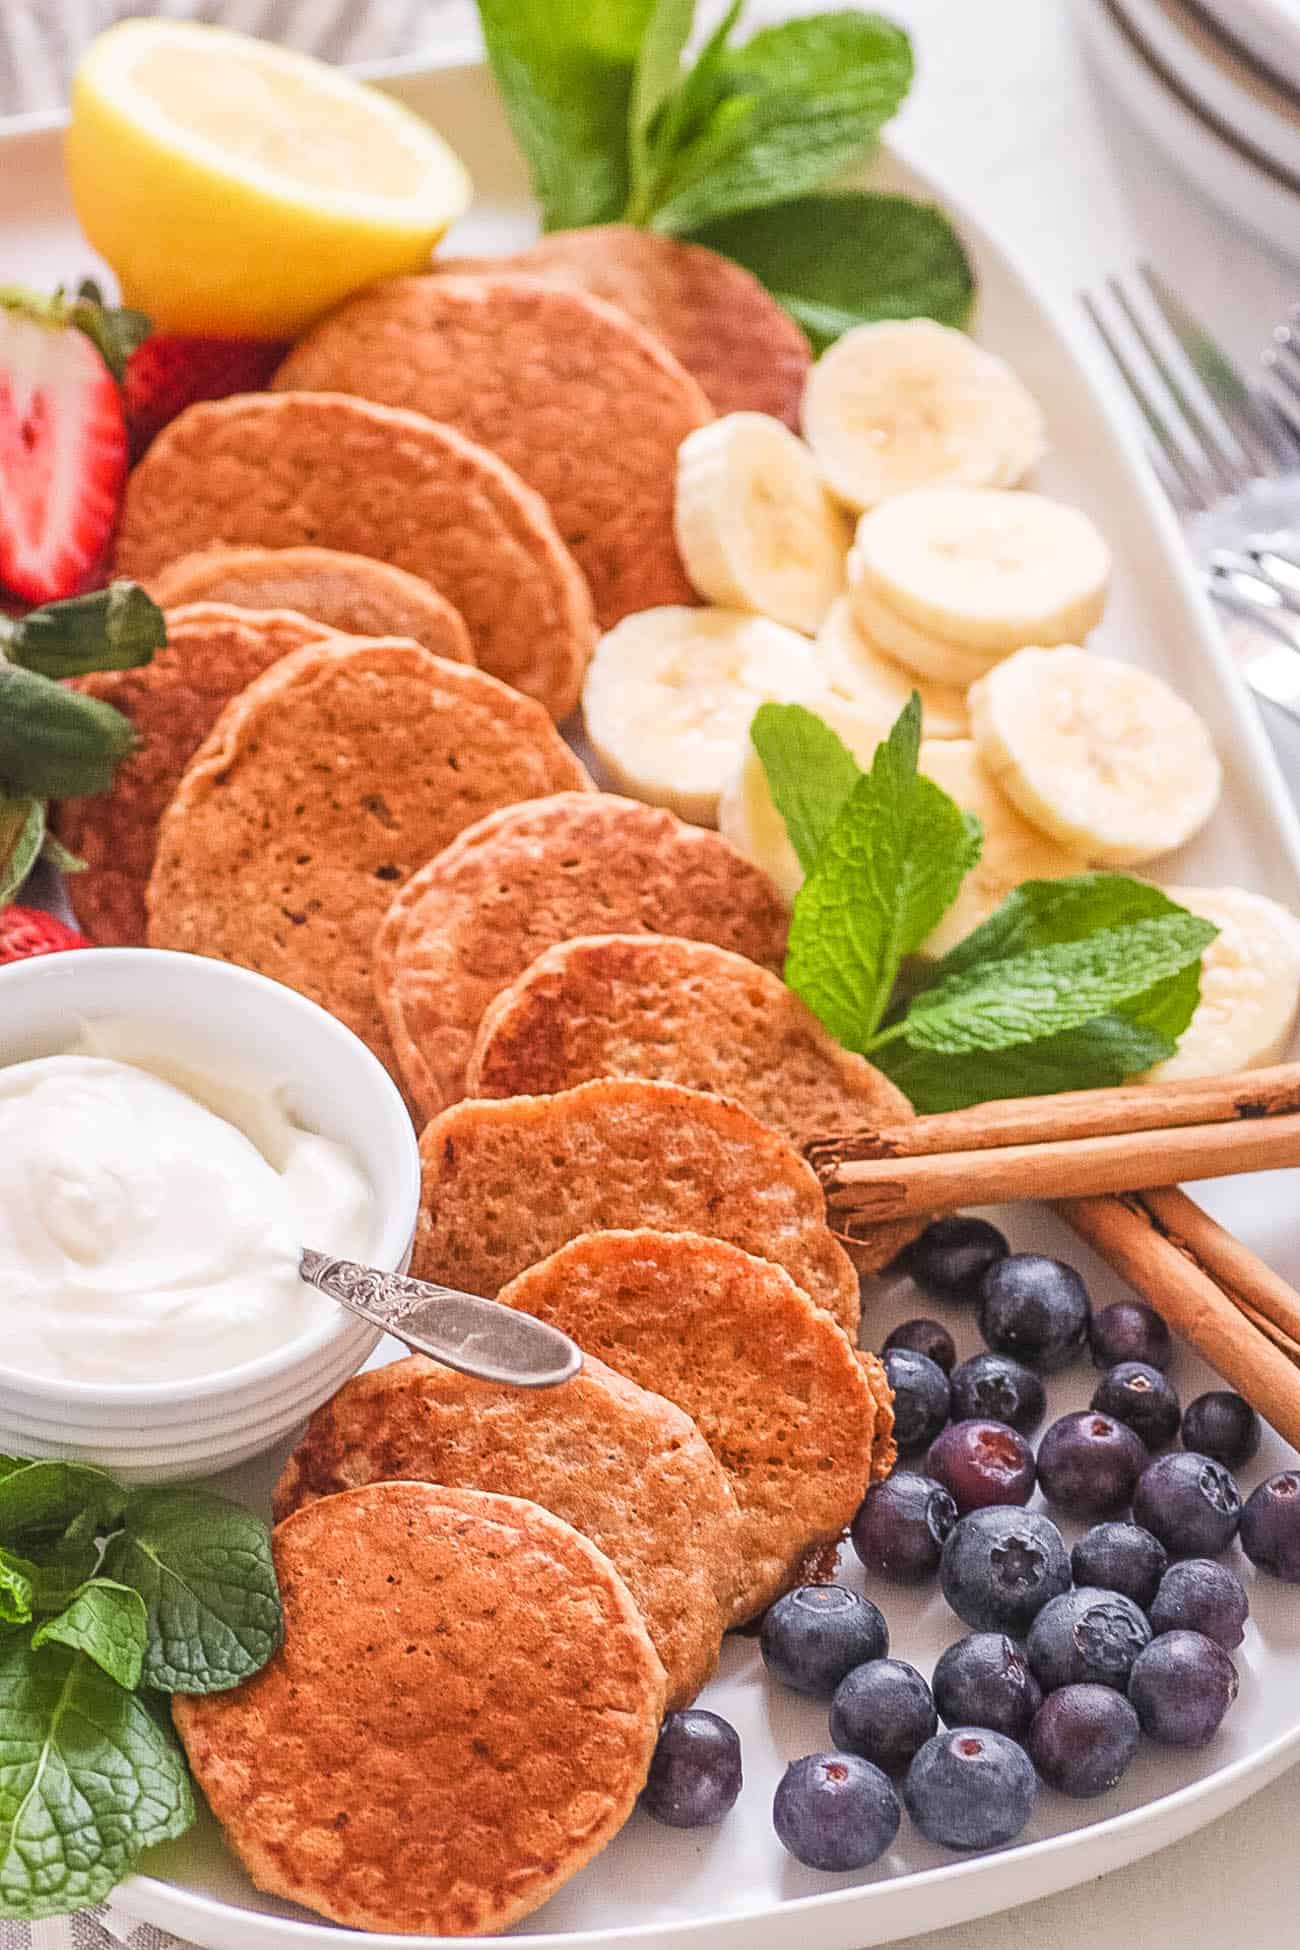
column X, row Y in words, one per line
column 283, row 470
column 461, row 1715
column 625, row 1467
column 213, row 650
column 715, row 317
column 508, row 1183
column 475, row 917
column 352, row 593
column 772, row 1383
column 584, row 404
column 320, row 789
column 689, row 1012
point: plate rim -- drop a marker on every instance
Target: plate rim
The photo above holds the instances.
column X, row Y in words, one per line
column 154, row 1899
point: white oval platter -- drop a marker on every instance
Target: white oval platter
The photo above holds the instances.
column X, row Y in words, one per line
column 734, row 1888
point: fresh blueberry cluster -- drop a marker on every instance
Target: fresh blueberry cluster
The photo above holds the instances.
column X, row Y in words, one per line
column 1070, row 1656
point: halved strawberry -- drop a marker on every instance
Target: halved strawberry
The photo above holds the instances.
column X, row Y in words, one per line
column 168, row 373
column 26, row 931
column 62, row 449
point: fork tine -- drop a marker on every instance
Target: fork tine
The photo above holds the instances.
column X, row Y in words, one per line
column 1285, row 422
column 1171, row 462
column 1224, row 387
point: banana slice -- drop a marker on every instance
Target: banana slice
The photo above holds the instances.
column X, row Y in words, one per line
column 1250, row 985
column 854, row 669
column 908, row 404
column 917, row 650
column 1101, row 755
column 670, row 693
column 987, row 571
column 749, row 819
column 1013, row 849
column 756, row 525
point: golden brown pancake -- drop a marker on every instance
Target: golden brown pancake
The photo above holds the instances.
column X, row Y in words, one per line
column 583, row 403
column 270, row 470
column 319, row 791
column 770, row 1380
column 212, row 651
column 461, row 1715
column 508, row 1183
column 625, row 1467
column 474, row 919
column 352, row 593
column 714, row 316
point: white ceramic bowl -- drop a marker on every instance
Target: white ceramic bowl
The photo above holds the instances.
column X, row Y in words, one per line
column 167, row 1431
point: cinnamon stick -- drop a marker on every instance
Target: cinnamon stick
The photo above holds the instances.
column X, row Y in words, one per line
column 1077, row 1167
column 1205, row 1307
column 1244, row 1096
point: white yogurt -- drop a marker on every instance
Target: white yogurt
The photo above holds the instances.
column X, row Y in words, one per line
column 151, row 1216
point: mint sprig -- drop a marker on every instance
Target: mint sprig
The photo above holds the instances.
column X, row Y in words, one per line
column 619, row 125
column 103, row 1593
column 1070, row 984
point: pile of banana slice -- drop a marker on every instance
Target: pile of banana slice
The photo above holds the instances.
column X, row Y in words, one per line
column 956, row 583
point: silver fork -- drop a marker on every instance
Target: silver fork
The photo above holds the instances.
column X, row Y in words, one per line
column 1227, row 451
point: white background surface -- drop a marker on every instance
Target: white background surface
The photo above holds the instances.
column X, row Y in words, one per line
column 1007, row 109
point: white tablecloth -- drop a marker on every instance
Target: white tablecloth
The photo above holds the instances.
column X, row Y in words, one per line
column 1007, row 108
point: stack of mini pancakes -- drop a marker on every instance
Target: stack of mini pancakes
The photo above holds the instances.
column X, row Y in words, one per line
column 383, row 581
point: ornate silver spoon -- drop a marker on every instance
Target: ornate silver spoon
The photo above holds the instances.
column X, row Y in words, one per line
column 462, row 1330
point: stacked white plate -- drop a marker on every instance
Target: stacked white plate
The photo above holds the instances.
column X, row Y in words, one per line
column 1216, row 83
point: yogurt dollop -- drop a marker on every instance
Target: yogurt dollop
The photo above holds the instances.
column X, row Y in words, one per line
column 144, row 1234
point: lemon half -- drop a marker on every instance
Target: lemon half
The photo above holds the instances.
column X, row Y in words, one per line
column 240, row 189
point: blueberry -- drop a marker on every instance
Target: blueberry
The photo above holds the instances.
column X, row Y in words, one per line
column 970, row 1788
column 884, row 1712
column 1138, row 1395
column 1089, row 1464
column 1000, row 1567
column 1128, row 1331
column 1182, row 1686
column 835, row 1811
column 982, row 1463
column 920, row 1398
column 1083, row 1739
column 994, row 1388
column 1087, row 1638
column 1224, row 1426
column 1190, row 1503
column 899, row 1531
column 985, row 1681
column 816, row 1634
column 1121, row 1557
column 951, row 1257
column 1198, row 1595
column 928, row 1337
column 1034, row 1308
column 694, row 1778
column 1270, row 1526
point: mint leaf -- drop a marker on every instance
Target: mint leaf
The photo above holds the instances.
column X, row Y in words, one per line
column 565, row 71
column 1103, row 1053
column 50, row 1496
column 803, row 100
column 997, row 1005
column 655, row 78
column 889, row 867
column 117, row 628
column 203, row 1567
column 58, row 1567
column 60, row 857
column 22, row 835
column 56, row 743
column 684, row 114
column 108, row 1623
column 88, row 1779
column 836, row 261
column 810, row 773
column 16, row 1591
